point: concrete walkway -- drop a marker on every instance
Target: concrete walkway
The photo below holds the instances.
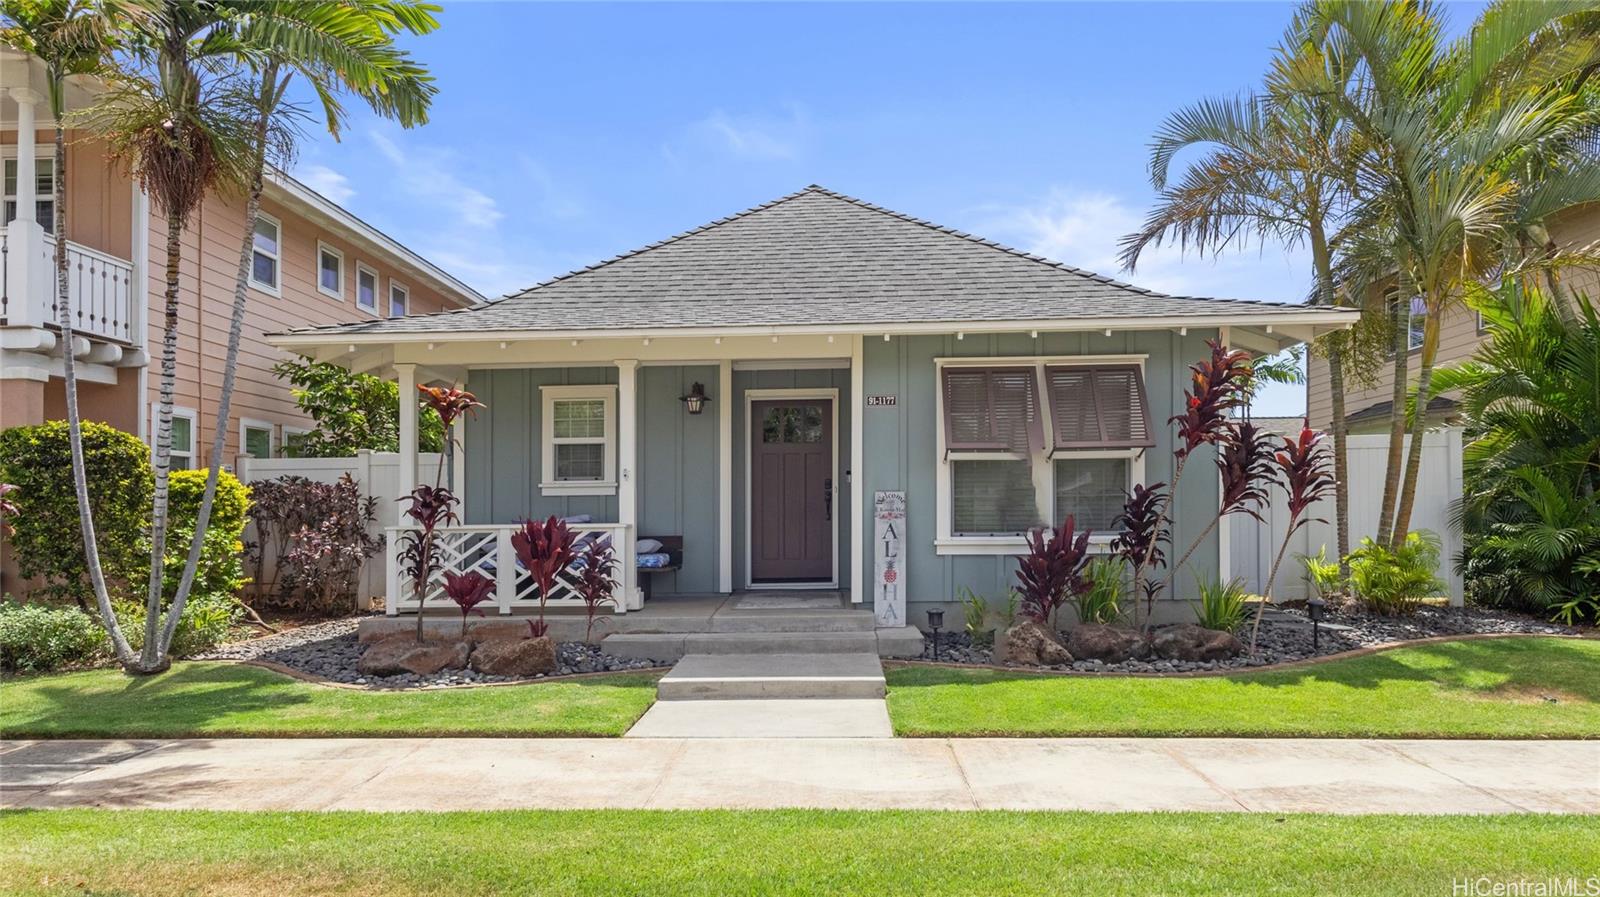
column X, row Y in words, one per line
column 870, row 773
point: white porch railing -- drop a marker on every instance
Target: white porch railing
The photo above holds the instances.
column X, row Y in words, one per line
column 488, row 550
column 99, row 285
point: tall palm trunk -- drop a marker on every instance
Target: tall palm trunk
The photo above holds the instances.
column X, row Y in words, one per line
column 152, row 659
column 1419, row 423
column 1401, row 347
column 1322, row 260
column 270, row 93
column 69, row 376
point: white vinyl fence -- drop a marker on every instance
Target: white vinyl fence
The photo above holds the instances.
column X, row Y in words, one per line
column 378, row 476
column 1252, row 546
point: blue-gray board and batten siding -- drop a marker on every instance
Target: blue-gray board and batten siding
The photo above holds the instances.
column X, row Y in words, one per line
column 679, row 463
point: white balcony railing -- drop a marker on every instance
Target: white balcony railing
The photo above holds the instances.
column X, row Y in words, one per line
column 488, row 550
column 99, row 286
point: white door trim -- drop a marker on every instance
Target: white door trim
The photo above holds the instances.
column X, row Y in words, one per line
column 751, row 396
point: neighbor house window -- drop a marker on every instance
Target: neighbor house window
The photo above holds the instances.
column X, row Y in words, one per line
column 580, row 440
column 44, row 179
column 1026, row 442
column 183, row 433
column 366, row 288
column 330, row 271
column 293, row 441
column 255, row 438
column 399, row 298
column 1416, row 322
column 266, row 253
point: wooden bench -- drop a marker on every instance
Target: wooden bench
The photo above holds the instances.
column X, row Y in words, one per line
column 673, row 547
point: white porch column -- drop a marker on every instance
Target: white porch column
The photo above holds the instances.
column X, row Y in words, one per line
column 27, row 171
column 627, row 478
column 406, row 374
column 858, row 507
column 725, row 477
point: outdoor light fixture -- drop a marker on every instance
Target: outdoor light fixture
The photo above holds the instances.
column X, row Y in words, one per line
column 935, row 620
column 1316, row 609
column 696, row 400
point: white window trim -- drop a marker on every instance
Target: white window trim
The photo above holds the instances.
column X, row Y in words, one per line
column 549, row 485
column 337, row 253
column 10, row 152
column 388, row 297
column 1043, row 463
column 250, row 423
column 377, row 288
column 194, row 431
column 269, row 289
column 290, row 430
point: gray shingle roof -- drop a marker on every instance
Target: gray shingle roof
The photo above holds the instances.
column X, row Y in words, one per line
column 814, row 257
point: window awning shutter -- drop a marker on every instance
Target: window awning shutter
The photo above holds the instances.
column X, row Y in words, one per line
column 1098, row 407
column 991, row 409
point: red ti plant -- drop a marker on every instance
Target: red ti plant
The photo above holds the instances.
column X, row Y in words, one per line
column 546, row 550
column 1245, row 462
column 1052, row 570
column 431, row 507
column 538, row 629
column 1144, row 530
column 595, row 584
column 1217, row 385
column 1306, row 479
column 467, row 590
column 450, row 403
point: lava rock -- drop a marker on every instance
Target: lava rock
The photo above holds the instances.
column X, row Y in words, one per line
column 1191, row 643
column 1108, row 644
column 390, row 657
column 520, row 658
column 1035, row 645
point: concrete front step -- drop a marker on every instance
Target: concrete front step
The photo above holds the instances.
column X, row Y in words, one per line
column 904, row 641
column 759, row 676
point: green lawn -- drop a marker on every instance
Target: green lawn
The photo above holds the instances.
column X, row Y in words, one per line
column 723, row 853
column 216, row 699
column 1493, row 688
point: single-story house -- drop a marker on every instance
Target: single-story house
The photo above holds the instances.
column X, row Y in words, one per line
column 748, row 392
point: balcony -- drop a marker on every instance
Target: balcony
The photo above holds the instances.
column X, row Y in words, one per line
column 99, row 287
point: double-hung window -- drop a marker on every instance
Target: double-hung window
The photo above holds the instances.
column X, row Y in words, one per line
column 399, row 298
column 1028, row 442
column 255, row 438
column 183, row 435
column 330, row 271
column 266, row 253
column 579, row 436
column 366, row 288
column 44, row 179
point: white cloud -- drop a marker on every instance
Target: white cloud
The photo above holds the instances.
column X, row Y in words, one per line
column 1083, row 228
column 326, row 181
column 754, row 136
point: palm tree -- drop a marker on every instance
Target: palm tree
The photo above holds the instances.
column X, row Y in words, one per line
column 70, row 37
column 336, row 47
column 1454, row 164
column 1277, row 167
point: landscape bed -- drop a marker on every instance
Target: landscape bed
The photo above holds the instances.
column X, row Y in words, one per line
column 1515, row 687
column 139, row 852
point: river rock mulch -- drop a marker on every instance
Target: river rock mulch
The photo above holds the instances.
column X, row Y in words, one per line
column 330, row 650
column 1286, row 637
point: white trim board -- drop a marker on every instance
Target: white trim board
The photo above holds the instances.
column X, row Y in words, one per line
column 751, row 396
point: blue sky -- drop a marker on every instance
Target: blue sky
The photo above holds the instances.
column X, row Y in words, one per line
column 566, row 133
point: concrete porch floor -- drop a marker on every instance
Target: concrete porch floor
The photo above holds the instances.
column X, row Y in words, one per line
column 420, row 774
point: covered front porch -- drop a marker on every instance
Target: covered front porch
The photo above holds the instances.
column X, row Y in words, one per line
column 728, row 459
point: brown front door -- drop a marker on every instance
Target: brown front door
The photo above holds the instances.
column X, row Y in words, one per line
column 791, row 490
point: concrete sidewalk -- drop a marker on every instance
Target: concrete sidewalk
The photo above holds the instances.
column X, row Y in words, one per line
column 1280, row 776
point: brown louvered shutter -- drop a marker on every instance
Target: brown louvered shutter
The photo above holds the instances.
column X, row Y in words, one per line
column 991, row 410
column 1098, row 407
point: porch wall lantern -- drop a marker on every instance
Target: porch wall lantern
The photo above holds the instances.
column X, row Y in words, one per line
column 696, row 400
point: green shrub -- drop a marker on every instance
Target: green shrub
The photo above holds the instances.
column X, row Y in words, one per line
column 1222, row 605
column 975, row 610
column 221, row 568
column 48, row 539
column 1322, row 574
column 37, row 638
column 1102, row 602
column 1395, row 581
column 207, row 618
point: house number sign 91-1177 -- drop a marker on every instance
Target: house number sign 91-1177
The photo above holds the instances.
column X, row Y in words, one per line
column 879, row 401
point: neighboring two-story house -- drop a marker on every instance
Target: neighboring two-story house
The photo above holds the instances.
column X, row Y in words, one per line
column 1461, row 332
column 313, row 263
